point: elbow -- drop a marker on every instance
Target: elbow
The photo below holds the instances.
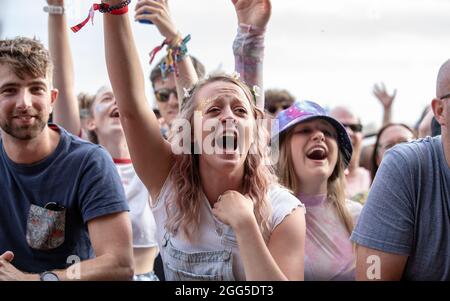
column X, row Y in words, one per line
column 124, row 268
column 126, row 272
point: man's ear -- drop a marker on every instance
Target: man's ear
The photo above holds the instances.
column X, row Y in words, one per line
column 437, row 106
column 53, row 97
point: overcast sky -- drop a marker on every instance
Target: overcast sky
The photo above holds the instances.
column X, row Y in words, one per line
column 328, row 51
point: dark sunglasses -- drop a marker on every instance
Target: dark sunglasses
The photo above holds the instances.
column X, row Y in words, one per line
column 163, row 95
column 354, row 127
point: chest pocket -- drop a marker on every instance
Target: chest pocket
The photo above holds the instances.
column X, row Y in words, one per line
column 45, row 228
column 196, row 266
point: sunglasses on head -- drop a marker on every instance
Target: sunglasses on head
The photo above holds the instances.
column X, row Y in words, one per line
column 163, row 95
column 354, row 127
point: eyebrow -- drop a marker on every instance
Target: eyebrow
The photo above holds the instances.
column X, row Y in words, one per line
column 16, row 84
column 109, row 94
column 9, row 85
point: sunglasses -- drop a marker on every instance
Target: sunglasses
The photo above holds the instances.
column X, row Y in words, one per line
column 354, row 127
column 163, row 95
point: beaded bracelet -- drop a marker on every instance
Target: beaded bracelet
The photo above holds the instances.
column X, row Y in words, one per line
column 106, row 8
column 118, row 9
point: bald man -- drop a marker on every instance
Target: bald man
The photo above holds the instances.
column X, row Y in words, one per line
column 403, row 231
column 357, row 178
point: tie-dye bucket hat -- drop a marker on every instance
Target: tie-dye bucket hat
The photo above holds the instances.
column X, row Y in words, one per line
column 302, row 111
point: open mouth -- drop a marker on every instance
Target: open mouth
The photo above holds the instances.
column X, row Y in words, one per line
column 317, row 153
column 227, row 142
column 114, row 113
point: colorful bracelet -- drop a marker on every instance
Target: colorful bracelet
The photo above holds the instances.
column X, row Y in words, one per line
column 118, row 9
column 175, row 54
column 179, row 52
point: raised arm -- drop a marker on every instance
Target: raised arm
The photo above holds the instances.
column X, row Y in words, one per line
column 248, row 46
column 158, row 13
column 386, row 100
column 151, row 154
column 425, row 125
column 66, row 111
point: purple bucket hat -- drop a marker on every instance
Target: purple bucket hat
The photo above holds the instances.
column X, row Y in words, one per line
column 308, row 110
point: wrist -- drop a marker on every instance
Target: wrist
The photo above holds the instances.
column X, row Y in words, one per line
column 54, row 9
column 251, row 28
column 31, row 277
column 245, row 223
column 175, row 41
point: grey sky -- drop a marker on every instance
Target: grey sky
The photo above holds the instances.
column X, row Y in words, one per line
column 328, row 51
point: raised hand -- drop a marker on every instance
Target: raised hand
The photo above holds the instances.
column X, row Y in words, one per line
column 253, row 12
column 158, row 13
column 383, row 96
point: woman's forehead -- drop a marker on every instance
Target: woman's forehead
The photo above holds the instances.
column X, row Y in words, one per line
column 220, row 90
column 103, row 91
column 395, row 131
column 214, row 89
column 315, row 122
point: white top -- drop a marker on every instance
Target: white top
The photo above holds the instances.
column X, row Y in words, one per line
column 213, row 235
column 142, row 220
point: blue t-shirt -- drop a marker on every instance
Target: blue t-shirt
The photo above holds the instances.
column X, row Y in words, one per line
column 80, row 178
column 408, row 209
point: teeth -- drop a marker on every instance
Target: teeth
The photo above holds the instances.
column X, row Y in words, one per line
column 317, row 153
column 316, row 149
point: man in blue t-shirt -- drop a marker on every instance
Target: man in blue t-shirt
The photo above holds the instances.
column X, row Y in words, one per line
column 63, row 212
column 403, row 231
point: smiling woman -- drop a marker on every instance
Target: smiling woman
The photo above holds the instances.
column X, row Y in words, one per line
column 314, row 151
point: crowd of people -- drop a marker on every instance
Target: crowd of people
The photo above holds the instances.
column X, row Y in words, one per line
column 202, row 187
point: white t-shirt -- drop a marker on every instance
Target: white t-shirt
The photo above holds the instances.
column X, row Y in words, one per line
column 142, row 220
column 213, row 235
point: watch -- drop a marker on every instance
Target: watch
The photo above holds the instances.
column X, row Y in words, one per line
column 48, row 276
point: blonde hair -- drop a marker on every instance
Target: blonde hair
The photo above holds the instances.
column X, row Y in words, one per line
column 85, row 102
column 335, row 183
column 183, row 205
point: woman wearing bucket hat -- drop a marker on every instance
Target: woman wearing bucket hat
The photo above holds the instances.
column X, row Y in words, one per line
column 314, row 151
